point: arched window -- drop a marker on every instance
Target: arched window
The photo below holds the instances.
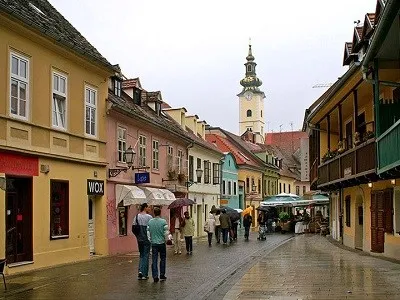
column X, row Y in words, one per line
column 248, row 68
column 249, row 112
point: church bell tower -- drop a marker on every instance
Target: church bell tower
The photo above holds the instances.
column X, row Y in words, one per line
column 251, row 101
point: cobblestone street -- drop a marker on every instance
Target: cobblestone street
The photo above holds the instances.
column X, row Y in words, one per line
column 283, row 267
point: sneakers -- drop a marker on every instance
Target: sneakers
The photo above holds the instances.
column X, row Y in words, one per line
column 163, row 278
column 175, row 252
column 141, row 277
column 156, row 279
column 180, row 252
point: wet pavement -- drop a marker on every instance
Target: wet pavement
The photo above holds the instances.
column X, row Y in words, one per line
column 282, row 267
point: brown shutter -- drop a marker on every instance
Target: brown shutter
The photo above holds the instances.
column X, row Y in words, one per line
column 388, row 208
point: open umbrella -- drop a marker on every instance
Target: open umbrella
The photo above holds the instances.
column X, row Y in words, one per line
column 179, row 202
column 231, row 212
column 264, row 208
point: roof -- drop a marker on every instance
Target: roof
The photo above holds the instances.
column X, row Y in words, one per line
column 146, row 114
column 204, row 143
column 290, row 164
column 131, row 83
column 225, row 145
column 288, row 140
column 40, row 15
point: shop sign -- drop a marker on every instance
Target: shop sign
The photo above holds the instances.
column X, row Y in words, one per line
column 143, row 177
column 15, row 164
column 95, row 187
column 223, row 202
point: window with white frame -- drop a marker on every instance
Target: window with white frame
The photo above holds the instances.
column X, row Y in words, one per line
column 117, row 87
column 180, row 161
column 142, row 151
column 234, row 188
column 229, row 187
column 121, row 144
column 90, row 108
column 59, row 100
column 19, row 89
column 223, row 187
column 155, row 154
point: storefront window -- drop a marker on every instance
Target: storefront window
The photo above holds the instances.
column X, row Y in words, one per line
column 122, row 220
column 59, row 214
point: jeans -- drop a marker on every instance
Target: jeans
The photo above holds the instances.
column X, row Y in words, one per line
column 144, row 250
column 209, row 235
column 162, row 249
column 246, row 231
column 225, row 235
column 218, row 233
column 177, row 241
column 189, row 243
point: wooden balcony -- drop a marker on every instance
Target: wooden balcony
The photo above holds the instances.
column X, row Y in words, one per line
column 355, row 166
column 388, row 145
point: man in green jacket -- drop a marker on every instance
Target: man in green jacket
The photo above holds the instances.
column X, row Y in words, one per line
column 157, row 231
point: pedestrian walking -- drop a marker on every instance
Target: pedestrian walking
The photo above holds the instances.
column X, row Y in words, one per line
column 188, row 232
column 234, row 230
column 217, row 226
column 247, row 220
column 157, row 232
column 209, row 227
column 225, row 221
column 141, row 220
column 176, row 225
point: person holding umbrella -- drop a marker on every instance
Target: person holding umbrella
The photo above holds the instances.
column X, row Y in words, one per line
column 247, row 220
column 226, row 224
column 176, row 225
column 188, row 232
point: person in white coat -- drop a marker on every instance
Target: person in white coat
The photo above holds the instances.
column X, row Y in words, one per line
column 209, row 227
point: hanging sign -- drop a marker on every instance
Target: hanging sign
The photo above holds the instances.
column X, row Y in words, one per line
column 95, row 187
column 143, row 177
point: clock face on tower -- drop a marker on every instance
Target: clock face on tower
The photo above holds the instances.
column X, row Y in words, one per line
column 248, row 95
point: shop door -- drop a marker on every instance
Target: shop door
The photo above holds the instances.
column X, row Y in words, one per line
column 377, row 222
column 91, row 232
column 18, row 219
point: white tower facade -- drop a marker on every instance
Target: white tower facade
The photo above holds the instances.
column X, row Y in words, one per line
column 251, row 102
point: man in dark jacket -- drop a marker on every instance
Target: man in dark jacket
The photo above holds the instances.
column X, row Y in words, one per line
column 142, row 219
column 225, row 222
column 247, row 220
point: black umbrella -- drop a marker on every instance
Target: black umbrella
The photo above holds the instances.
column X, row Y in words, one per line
column 233, row 214
column 263, row 208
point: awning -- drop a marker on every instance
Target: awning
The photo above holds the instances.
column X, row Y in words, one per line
column 168, row 195
column 155, row 196
column 130, row 194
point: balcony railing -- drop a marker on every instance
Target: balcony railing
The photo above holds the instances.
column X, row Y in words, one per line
column 387, row 146
column 355, row 163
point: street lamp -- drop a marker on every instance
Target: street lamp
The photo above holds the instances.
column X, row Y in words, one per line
column 199, row 173
column 129, row 156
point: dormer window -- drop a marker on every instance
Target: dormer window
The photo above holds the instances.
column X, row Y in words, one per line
column 158, row 108
column 137, row 97
column 117, row 87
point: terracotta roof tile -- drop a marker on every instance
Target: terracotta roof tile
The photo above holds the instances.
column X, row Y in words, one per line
column 40, row 15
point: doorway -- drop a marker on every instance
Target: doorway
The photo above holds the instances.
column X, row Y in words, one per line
column 199, row 217
column 91, row 224
column 359, row 230
column 19, row 219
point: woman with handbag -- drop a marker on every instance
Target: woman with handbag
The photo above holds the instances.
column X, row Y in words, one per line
column 209, row 227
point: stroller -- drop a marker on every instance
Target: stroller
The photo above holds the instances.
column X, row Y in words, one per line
column 262, row 232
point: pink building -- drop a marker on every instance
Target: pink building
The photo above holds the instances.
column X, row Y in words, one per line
column 135, row 120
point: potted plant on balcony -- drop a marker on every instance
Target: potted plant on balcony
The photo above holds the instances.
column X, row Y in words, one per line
column 368, row 135
column 357, row 138
column 341, row 147
column 172, row 175
column 329, row 155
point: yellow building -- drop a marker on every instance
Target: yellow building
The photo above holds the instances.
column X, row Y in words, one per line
column 52, row 139
column 354, row 131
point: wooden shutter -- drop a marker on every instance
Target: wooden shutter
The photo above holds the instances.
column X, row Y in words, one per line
column 388, row 210
column 377, row 222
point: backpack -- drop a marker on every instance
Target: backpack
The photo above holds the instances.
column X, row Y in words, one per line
column 136, row 227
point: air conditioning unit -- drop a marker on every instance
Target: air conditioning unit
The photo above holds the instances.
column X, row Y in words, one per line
column 44, row 169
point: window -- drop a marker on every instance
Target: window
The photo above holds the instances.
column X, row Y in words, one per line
column 117, row 87
column 122, row 220
column 215, row 173
column 137, row 99
column 206, row 171
column 304, row 189
column 142, row 151
column 269, row 187
column 284, row 187
column 229, row 188
column 170, row 157
column 191, row 168
column 280, row 187
column 59, row 205
column 248, row 113
column 234, row 188
column 155, row 155
column 297, row 190
column 248, row 184
column 180, row 161
column 90, row 107
column 347, row 204
column 223, row 187
column 59, row 100
column 253, row 185
column 289, row 188
column 121, row 132
column 19, row 89
column 259, row 186
column 199, row 167
column 248, row 68
column 362, row 126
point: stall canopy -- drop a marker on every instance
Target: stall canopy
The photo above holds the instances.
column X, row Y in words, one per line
column 294, row 200
column 156, row 196
column 168, row 194
column 129, row 194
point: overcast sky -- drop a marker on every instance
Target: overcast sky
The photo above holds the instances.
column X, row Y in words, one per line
column 194, row 51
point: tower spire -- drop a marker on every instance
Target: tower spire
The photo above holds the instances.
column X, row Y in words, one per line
column 251, row 82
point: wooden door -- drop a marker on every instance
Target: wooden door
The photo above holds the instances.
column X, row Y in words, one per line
column 377, row 222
